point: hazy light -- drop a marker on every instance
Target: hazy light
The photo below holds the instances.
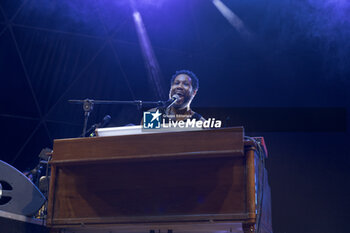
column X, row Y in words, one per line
column 137, row 17
column 156, row 3
column 151, row 63
column 233, row 19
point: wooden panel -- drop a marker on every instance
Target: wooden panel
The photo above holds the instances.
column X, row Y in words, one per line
column 150, row 146
column 52, row 195
column 163, row 228
column 179, row 179
column 251, row 183
column 164, row 190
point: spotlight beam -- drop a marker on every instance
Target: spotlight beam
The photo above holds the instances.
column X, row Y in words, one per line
column 151, row 62
column 232, row 18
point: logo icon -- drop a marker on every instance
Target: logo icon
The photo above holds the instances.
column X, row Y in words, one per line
column 152, row 120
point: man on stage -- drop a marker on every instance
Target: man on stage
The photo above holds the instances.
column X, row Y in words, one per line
column 184, row 85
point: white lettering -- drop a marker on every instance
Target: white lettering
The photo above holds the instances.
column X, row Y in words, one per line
column 218, row 124
column 181, row 124
column 148, row 125
column 206, row 123
column 165, row 125
column 190, row 123
column 199, row 124
column 173, row 123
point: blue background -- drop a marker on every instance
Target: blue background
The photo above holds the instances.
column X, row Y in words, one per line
column 297, row 58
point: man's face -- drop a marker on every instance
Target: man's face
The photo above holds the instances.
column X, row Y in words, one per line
column 182, row 86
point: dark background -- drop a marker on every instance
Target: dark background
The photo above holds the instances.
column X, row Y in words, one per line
column 289, row 82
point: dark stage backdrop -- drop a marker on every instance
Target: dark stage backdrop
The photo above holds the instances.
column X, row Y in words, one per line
column 288, row 80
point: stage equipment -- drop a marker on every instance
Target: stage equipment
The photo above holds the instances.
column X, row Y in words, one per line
column 171, row 101
column 137, row 129
column 18, row 194
column 42, row 168
column 202, row 181
column 89, row 103
column 103, row 123
column 15, row 223
column 88, row 106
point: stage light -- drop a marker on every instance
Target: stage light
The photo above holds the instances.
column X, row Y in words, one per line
column 231, row 17
column 154, row 3
column 151, row 63
column 137, row 17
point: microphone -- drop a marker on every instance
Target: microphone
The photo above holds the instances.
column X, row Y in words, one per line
column 102, row 124
column 167, row 104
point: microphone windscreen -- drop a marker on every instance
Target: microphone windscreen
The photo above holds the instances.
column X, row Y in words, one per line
column 105, row 120
column 176, row 96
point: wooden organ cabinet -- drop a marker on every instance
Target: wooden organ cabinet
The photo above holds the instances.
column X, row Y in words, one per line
column 203, row 181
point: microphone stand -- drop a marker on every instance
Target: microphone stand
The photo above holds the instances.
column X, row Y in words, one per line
column 88, row 105
column 90, row 130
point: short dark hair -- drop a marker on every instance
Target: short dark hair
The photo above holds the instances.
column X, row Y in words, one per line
column 194, row 79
